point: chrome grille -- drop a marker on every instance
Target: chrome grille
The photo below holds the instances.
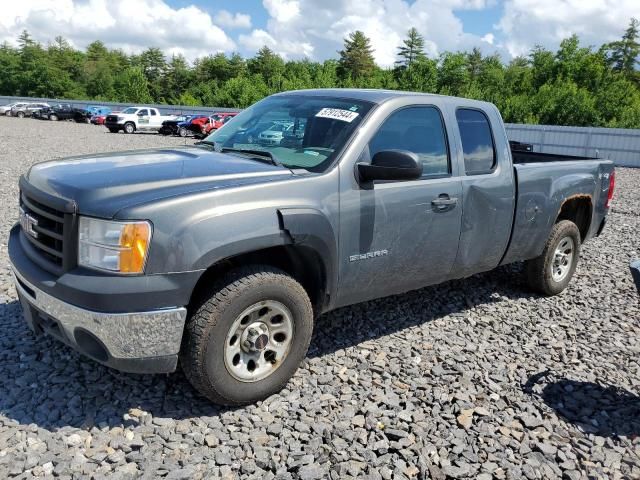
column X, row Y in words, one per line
column 43, row 227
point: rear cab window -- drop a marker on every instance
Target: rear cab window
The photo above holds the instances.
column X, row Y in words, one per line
column 478, row 145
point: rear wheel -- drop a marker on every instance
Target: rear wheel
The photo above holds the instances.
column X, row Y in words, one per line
column 129, row 127
column 20, row 114
column 247, row 338
column 551, row 272
column 53, row 118
column 183, row 132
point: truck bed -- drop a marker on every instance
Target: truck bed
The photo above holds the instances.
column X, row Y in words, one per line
column 544, row 182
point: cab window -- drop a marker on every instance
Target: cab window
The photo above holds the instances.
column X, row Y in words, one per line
column 477, row 141
column 420, row 130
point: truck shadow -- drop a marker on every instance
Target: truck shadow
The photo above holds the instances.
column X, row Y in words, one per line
column 52, row 386
column 603, row 410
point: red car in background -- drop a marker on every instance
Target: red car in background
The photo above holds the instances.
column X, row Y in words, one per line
column 99, row 119
column 216, row 121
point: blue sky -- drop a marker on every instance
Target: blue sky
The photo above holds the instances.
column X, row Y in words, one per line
column 316, row 28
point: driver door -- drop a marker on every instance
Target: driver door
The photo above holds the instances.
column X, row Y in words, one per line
column 143, row 119
column 397, row 236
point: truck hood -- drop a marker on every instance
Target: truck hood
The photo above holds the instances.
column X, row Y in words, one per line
column 101, row 185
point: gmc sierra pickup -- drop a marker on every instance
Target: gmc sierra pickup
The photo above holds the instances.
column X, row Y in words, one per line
column 221, row 254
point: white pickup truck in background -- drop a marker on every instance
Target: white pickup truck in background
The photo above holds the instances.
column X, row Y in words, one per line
column 132, row 119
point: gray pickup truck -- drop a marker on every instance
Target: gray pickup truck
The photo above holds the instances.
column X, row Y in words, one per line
column 222, row 253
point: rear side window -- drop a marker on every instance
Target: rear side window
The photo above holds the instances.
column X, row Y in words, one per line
column 417, row 129
column 153, row 112
column 477, row 141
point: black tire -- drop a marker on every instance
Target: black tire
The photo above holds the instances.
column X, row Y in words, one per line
column 53, row 118
column 129, row 127
column 202, row 353
column 183, row 132
column 20, row 114
column 539, row 270
column 113, row 130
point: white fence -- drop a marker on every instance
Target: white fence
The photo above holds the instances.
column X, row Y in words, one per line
column 617, row 144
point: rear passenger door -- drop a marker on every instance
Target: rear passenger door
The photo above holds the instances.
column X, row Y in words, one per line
column 401, row 235
column 154, row 118
column 488, row 186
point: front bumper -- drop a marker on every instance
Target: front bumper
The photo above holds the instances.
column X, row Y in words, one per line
column 138, row 331
column 140, row 342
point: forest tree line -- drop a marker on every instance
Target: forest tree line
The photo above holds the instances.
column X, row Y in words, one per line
column 575, row 85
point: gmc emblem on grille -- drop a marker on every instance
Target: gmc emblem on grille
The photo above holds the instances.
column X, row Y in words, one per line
column 27, row 222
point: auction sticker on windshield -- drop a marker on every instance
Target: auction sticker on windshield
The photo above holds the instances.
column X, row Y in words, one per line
column 338, row 114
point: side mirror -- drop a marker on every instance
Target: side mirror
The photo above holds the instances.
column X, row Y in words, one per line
column 391, row 165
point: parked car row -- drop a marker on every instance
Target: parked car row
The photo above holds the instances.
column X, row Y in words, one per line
column 129, row 120
column 60, row 111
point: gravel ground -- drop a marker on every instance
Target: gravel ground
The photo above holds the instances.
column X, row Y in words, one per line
column 469, row 379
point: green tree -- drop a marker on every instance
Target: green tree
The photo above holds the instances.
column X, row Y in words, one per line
column 10, row 68
column 453, row 74
column 623, row 54
column 564, row 103
column 153, row 65
column 132, row 86
column 356, row 59
column 269, row 65
column 420, row 76
column 412, row 49
column 176, row 80
column 100, row 81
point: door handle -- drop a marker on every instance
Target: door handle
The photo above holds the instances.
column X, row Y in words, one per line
column 444, row 202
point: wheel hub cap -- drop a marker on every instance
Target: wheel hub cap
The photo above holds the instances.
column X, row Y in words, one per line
column 256, row 337
column 258, row 341
column 562, row 259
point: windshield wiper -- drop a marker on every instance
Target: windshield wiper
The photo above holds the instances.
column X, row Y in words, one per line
column 260, row 154
column 206, row 142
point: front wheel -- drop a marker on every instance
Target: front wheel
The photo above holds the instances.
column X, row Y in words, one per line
column 20, row 114
column 246, row 339
column 53, row 118
column 129, row 128
column 183, row 132
column 551, row 272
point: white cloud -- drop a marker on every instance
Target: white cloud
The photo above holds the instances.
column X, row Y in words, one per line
column 315, row 28
column 130, row 25
column 489, row 38
column 227, row 19
column 526, row 23
column 282, row 11
column 298, row 28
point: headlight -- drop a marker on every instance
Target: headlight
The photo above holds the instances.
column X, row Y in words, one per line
column 115, row 246
column 121, row 119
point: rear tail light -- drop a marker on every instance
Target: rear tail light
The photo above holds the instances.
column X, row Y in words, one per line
column 612, row 185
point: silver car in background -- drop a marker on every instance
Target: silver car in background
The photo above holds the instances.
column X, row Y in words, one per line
column 6, row 109
column 275, row 133
column 27, row 109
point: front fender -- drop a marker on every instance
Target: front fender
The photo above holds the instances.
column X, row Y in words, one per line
column 308, row 227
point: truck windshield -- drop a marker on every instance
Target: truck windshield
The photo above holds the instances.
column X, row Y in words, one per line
column 130, row 110
column 298, row 131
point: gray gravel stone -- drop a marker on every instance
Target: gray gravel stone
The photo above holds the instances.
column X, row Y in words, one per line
column 546, row 387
